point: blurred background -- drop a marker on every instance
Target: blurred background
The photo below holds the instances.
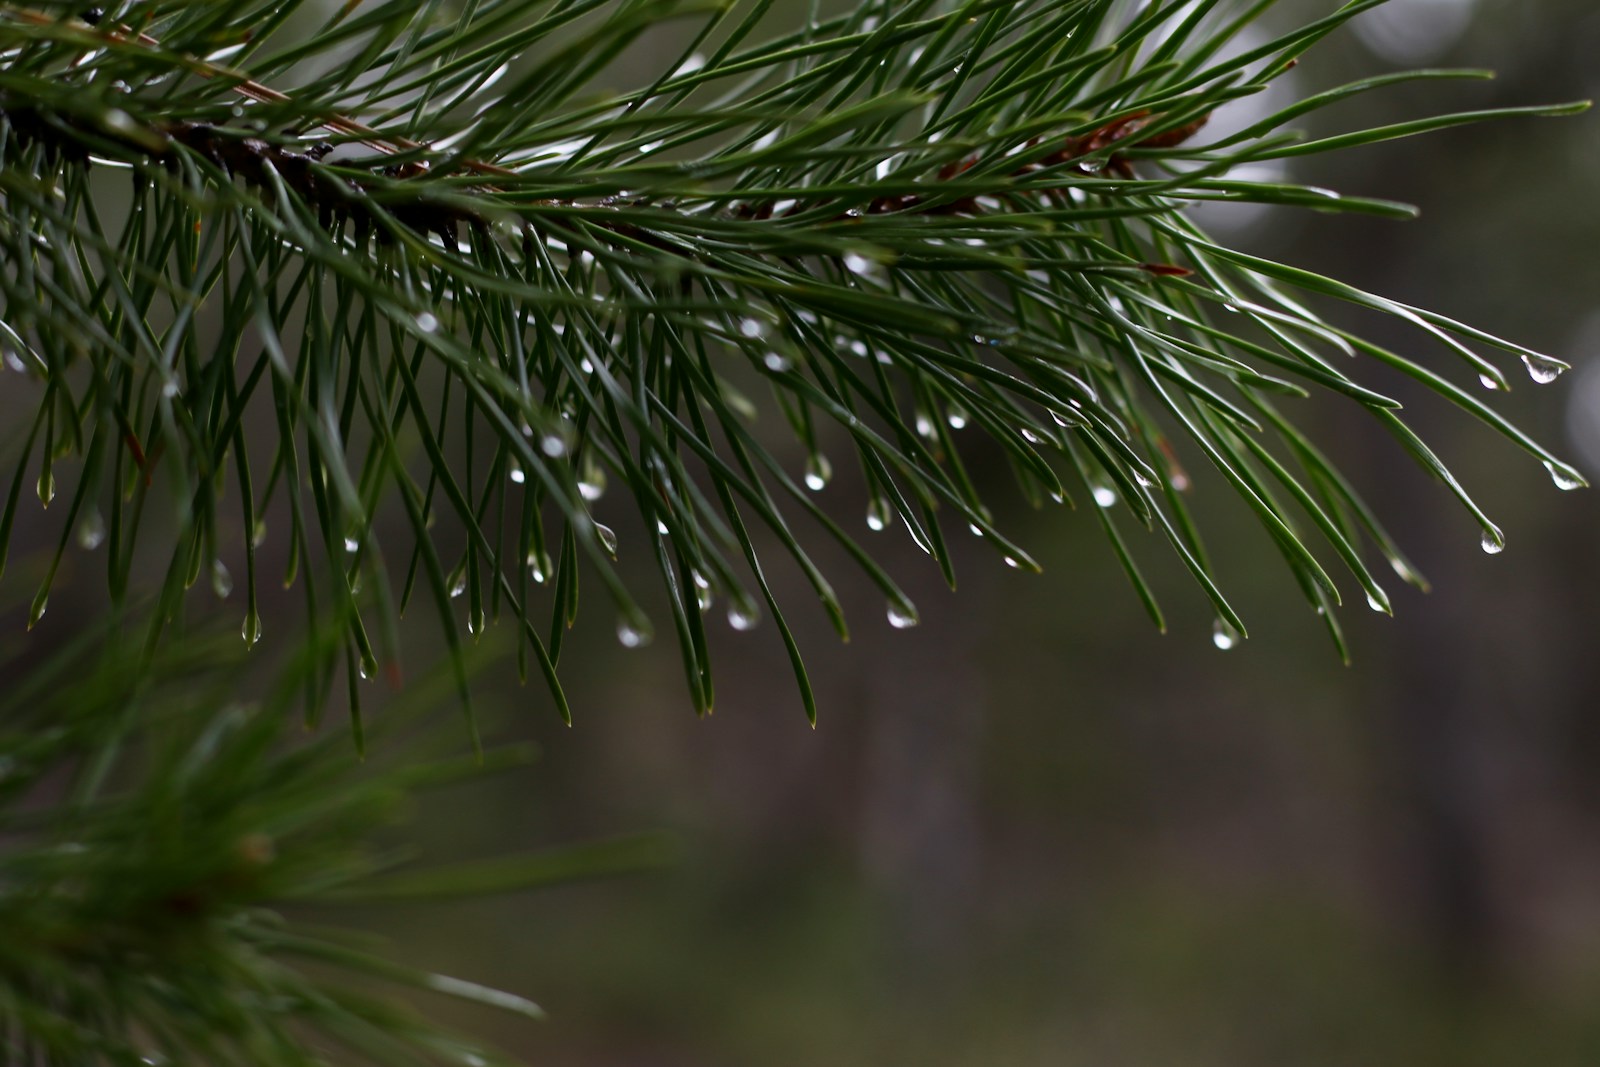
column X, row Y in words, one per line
column 1035, row 831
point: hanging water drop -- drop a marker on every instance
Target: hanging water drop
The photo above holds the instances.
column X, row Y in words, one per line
column 752, row 328
column 221, row 580
column 879, row 514
column 1378, row 601
column 661, row 529
column 427, row 322
column 777, row 363
column 1564, row 478
column 819, row 471
column 1105, row 496
column 538, row 566
column 608, row 538
column 251, row 630
column 553, row 446
column 1488, row 383
column 743, row 615
column 258, row 533
column 702, row 591
column 459, row 584
column 46, row 488
column 956, row 416
column 352, row 544
column 1542, row 369
column 592, row 486
column 631, row 634
column 1223, row 635
column 92, row 530
column 475, row 622
column 902, row 616
column 516, row 474
column 1493, row 543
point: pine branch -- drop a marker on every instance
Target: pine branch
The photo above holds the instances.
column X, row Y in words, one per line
column 915, row 223
column 152, row 836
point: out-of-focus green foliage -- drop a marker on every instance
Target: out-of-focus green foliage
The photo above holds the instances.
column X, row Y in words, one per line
column 154, row 831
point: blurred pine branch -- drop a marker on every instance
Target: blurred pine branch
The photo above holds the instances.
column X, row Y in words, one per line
column 152, row 834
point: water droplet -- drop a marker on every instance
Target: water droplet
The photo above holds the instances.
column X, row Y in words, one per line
column 1407, row 575
column 743, row 615
column 925, row 426
column 92, row 530
column 1105, row 496
column 552, row 445
column 169, row 388
column 37, row 611
column 1223, row 635
column 661, row 528
column 258, row 534
column 702, row 591
column 902, row 615
column 475, row 623
column 1565, row 478
column 1493, row 542
column 593, row 486
column 1378, row 601
column 538, row 566
column 221, row 580
column 251, row 630
column 516, row 474
column 631, row 634
column 46, row 488
column 1011, row 561
column 879, row 514
column 974, row 529
column 858, row 264
column 1542, row 369
column 777, row 363
column 956, row 416
column 818, row 472
column 458, row 585
column 427, row 322
column 608, row 538
column 352, row 544
column 1488, row 383
column 752, row 328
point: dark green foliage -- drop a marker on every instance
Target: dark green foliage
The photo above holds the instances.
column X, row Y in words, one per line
column 150, row 838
